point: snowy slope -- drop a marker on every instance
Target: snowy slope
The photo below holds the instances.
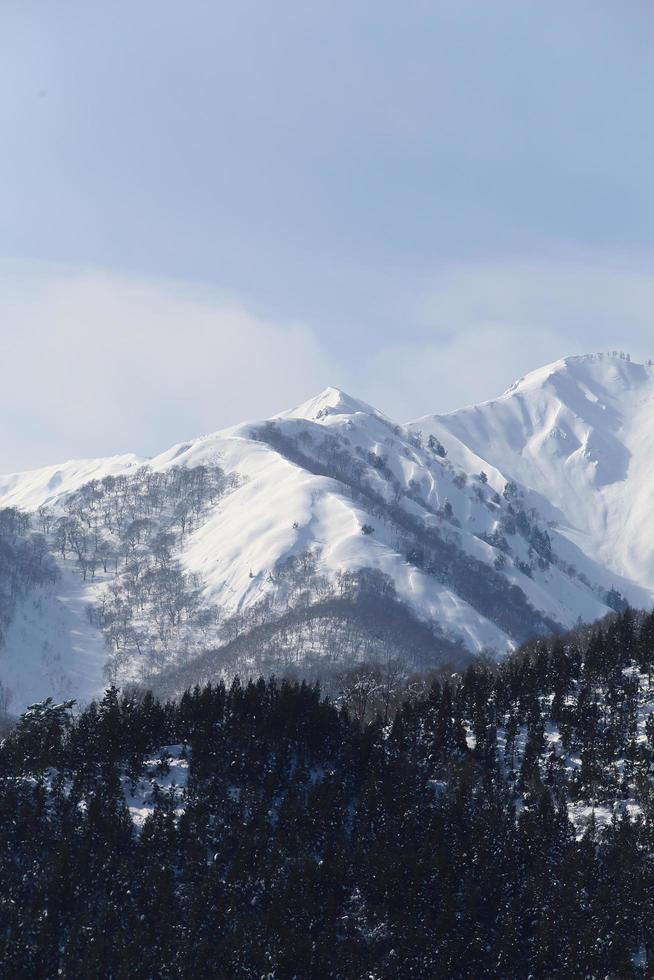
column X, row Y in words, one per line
column 481, row 567
column 51, row 649
column 254, row 527
column 35, row 488
column 578, row 435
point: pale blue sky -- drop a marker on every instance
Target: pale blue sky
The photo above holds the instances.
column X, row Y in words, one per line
column 208, row 210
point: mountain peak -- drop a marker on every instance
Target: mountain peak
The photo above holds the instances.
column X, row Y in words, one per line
column 330, row 401
column 612, row 369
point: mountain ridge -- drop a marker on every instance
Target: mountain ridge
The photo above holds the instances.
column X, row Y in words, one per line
column 452, row 513
column 577, row 435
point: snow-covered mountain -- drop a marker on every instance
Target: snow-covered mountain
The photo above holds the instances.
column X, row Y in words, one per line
column 330, row 534
column 578, row 436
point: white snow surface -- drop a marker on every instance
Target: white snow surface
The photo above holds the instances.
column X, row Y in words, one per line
column 577, row 436
column 51, row 648
column 32, row 488
column 140, row 797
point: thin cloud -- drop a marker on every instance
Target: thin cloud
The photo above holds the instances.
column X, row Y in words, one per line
column 103, row 363
column 480, row 326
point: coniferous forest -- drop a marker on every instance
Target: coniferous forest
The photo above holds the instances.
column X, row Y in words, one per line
column 496, row 823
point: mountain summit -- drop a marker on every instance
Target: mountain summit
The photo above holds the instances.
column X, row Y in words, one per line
column 330, row 401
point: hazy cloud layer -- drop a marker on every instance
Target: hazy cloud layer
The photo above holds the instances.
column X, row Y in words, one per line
column 479, row 327
column 98, row 363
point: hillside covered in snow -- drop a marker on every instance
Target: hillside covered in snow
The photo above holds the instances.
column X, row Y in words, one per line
column 330, row 535
column 578, row 437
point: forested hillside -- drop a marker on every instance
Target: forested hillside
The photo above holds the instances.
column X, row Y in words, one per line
column 495, row 823
column 127, row 530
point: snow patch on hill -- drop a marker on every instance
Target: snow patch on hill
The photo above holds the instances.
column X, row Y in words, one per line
column 51, row 648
